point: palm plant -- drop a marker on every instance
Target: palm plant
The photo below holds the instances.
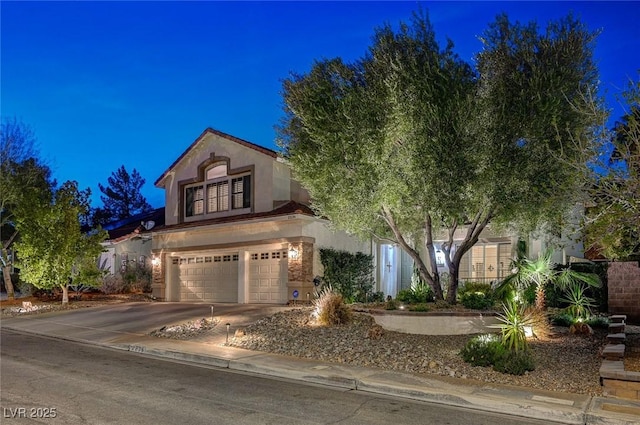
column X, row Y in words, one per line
column 539, row 272
column 579, row 304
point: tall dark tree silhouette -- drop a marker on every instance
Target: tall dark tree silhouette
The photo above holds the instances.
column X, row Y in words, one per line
column 122, row 197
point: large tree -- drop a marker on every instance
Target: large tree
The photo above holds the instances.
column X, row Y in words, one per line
column 24, row 179
column 613, row 221
column 53, row 250
column 412, row 144
column 122, row 197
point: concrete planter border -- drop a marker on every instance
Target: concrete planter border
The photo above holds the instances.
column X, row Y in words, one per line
column 436, row 322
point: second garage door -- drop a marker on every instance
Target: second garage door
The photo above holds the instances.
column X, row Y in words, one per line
column 268, row 276
column 211, row 278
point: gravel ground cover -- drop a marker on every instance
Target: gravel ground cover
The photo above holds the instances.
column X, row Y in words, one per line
column 564, row 362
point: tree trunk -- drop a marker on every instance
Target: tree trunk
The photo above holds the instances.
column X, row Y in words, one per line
column 415, row 256
column 65, row 294
column 6, row 276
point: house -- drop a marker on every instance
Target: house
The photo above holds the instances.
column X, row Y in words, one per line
column 129, row 241
column 238, row 228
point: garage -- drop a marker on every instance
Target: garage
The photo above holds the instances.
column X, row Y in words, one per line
column 268, row 276
column 211, row 277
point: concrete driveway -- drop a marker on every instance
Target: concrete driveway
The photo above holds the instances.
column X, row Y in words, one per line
column 116, row 323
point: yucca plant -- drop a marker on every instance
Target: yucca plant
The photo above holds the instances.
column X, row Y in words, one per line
column 513, row 320
column 579, row 303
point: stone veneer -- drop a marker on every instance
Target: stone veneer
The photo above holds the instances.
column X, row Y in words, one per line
column 157, row 276
column 300, row 272
column 624, row 289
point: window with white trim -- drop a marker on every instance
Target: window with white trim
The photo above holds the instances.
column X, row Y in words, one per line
column 220, row 192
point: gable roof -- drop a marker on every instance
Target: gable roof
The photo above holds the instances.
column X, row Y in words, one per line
column 210, row 130
column 291, row 207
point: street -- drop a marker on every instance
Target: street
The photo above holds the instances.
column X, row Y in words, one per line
column 45, row 380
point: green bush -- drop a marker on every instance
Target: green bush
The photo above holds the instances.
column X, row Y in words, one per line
column 482, row 350
column 391, row 305
column 514, row 362
column 476, row 301
column 376, row 297
column 562, row 319
column 419, row 307
column 420, row 293
column 351, row 275
column 598, row 322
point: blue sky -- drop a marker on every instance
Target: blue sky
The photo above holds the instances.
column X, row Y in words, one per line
column 105, row 84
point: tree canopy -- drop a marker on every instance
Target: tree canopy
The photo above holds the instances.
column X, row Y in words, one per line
column 414, row 145
column 53, row 250
column 613, row 221
column 24, row 179
column 122, row 197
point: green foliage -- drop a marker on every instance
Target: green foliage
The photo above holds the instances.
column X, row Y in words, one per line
column 482, row 350
column 513, row 320
column 391, row 305
column 376, row 297
column 600, row 322
column 53, row 251
column 421, row 307
column 122, row 197
column 330, row 309
column 514, row 362
column 476, row 301
column 562, row 319
column 476, row 296
column 579, row 304
column 351, row 275
column 611, row 224
column 420, row 293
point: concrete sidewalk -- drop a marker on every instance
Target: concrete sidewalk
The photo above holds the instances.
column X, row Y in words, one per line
column 211, row 351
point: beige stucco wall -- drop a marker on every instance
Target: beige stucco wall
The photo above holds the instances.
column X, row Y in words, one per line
column 271, row 179
column 326, row 237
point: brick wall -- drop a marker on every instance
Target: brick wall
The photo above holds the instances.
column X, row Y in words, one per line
column 624, row 290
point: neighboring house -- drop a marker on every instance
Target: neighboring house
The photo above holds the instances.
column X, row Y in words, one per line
column 237, row 227
column 129, row 242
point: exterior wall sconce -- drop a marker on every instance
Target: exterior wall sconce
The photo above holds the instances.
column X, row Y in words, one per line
column 155, row 261
column 293, row 253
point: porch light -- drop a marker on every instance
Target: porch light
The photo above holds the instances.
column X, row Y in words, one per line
column 293, row 253
column 155, row 261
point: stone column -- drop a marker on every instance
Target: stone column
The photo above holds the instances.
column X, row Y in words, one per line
column 300, row 271
column 158, row 275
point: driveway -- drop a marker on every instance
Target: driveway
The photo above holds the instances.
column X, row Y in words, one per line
column 115, row 323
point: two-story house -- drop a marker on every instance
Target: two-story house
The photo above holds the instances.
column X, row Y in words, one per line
column 238, row 228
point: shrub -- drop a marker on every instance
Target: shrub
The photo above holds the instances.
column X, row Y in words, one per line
column 579, row 303
column 376, row 297
column 420, row 293
column 391, row 305
column 476, row 301
column 351, row 275
column 330, row 308
column 419, row 307
column 598, row 322
column 482, row 350
column 514, row 362
column 562, row 319
column 113, row 284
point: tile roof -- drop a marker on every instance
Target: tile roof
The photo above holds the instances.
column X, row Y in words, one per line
column 291, row 207
column 124, row 229
column 210, row 130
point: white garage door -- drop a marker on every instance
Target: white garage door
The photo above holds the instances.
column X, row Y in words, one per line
column 210, row 277
column 268, row 277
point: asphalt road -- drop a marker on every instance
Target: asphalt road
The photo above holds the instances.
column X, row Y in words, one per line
column 50, row 381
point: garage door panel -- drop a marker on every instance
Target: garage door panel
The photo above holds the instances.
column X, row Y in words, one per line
column 268, row 277
column 202, row 279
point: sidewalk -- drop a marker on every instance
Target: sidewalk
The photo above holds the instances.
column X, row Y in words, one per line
column 211, row 351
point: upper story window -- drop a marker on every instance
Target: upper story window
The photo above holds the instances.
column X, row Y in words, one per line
column 218, row 193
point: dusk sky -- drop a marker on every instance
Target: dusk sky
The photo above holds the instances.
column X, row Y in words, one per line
column 105, row 84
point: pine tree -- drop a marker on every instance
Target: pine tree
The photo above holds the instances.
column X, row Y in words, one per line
column 122, row 197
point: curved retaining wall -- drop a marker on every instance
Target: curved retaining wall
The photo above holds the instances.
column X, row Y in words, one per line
column 435, row 323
